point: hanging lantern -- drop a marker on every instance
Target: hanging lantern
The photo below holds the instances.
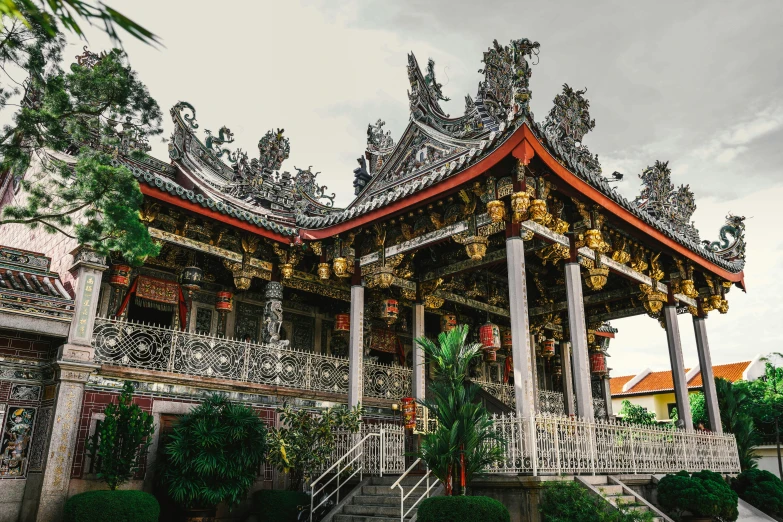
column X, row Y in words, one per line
column 224, row 301
column 323, row 271
column 287, row 270
column 593, row 239
column 340, row 267
column 489, row 336
column 505, row 339
column 520, row 201
column 490, row 355
column 120, row 276
column 384, row 277
column 598, row 363
column 389, row 310
column 557, row 371
column 409, row 412
column 596, row 278
column 476, row 247
column 190, row 279
column 548, row 348
column 495, row 210
column 448, row 322
column 538, row 212
column 342, row 322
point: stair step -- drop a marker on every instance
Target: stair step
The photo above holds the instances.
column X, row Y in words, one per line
column 380, row 500
column 609, row 491
column 388, row 481
column 621, row 499
column 381, row 490
column 363, row 518
column 637, row 508
column 374, row 511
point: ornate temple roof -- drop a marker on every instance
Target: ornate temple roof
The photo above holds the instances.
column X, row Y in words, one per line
column 433, row 148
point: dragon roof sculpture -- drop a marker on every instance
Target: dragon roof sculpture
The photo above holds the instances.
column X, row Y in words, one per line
column 433, row 148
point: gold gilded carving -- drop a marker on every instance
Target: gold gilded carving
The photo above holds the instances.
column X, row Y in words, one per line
column 655, row 268
column 652, row 299
column 553, row 253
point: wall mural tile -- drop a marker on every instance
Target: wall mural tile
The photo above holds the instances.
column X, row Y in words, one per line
column 15, row 442
column 25, row 392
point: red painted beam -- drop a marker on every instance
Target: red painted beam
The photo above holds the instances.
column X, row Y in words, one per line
column 161, row 195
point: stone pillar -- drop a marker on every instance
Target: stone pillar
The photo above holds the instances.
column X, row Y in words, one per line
column 578, row 330
column 520, row 328
column 273, row 312
column 607, row 393
column 678, row 368
column 356, row 340
column 707, row 376
column 75, row 363
column 419, row 385
column 568, row 379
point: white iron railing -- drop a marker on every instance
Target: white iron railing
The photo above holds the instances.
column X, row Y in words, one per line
column 375, row 450
column 404, row 497
column 553, row 444
column 125, row 343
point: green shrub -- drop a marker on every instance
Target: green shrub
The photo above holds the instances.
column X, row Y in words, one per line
column 462, row 509
column 118, row 506
column 214, row 454
column 567, row 501
column 274, row 505
column 762, row 489
column 703, row 494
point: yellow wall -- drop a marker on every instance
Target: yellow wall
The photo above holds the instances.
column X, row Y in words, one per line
column 654, row 402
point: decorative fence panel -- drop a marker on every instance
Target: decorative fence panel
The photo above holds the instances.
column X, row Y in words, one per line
column 135, row 345
column 384, row 454
column 550, row 444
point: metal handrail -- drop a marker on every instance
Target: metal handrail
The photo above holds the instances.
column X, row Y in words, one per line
column 404, row 497
column 341, row 470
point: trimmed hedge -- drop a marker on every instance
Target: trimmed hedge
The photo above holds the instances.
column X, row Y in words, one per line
column 277, row 505
column 119, row 506
column 462, row 509
column 704, row 494
column 761, row 489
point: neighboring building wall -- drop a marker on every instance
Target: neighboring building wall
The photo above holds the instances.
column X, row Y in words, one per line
column 55, row 246
column 768, row 458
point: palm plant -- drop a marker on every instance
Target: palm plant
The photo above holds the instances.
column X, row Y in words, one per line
column 464, row 442
column 734, row 402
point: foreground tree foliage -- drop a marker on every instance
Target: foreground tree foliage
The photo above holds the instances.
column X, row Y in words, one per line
column 761, row 489
column 67, row 126
column 305, row 440
column 567, row 501
column 702, row 494
column 121, row 440
column 464, row 442
column 214, row 454
column 633, row 414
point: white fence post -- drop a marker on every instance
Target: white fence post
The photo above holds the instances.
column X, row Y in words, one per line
column 533, row 445
column 383, row 450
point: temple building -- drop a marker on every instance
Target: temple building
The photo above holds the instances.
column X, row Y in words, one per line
column 265, row 290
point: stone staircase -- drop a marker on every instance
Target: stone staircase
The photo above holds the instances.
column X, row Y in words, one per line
column 621, row 496
column 375, row 501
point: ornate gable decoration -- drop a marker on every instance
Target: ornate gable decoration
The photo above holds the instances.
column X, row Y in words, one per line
column 254, row 180
column 660, row 200
column 506, row 85
column 567, row 123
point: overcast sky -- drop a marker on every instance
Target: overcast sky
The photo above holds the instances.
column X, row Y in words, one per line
column 694, row 83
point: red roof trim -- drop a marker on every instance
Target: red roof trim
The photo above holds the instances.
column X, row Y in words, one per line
column 584, row 188
column 158, row 194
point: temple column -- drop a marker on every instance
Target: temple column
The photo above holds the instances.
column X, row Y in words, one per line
column 356, row 340
column 520, row 328
column 568, row 380
column 678, row 368
column 578, row 330
column 707, row 375
column 607, row 393
column 75, row 363
column 419, row 386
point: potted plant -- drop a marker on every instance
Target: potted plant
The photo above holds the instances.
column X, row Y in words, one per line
column 213, row 456
column 701, row 497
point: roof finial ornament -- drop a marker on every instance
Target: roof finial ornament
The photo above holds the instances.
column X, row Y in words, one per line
column 659, row 199
column 433, row 85
column 506, row 85
column 274, row 149
column 567, row 124
column 731, row 245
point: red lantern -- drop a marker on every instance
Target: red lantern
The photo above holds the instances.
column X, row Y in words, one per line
column 120, row 276
column 342, row 322
column 389, row 310
column 548, row 348
column 448, row 322
column 598, row 363
column 409, row 412
column 224, row 301
column 505, row 339
column 558, row 370
column 489, row 335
